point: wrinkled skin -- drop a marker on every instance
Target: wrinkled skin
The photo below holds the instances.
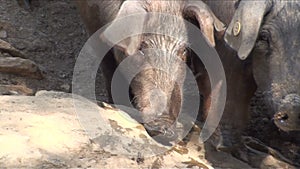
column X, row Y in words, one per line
column 157, row 94
column 273, row 63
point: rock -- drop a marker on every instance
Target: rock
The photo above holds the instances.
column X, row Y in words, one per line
column 43, row 131
column 65, row 87
column 219, row 159
column 62, row 75
column 5, row 54
column 271, row 162
column 260, row 155
column 37, row 129
column 15, row 90
column 117, row 132
column 7, row 47
column 53, row 94
column 3, row 34
column 19, row 66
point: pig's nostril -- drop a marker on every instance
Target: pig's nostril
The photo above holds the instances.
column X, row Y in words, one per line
column 284, row 117
column 281, row 116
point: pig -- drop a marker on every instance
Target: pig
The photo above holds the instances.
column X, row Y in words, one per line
column 269, row 35
column 156, row 94
column 240, row 85
column 259, row 50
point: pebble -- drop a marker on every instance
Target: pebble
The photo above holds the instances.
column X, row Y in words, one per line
column 5, row 55
column 265, row 120
column 62, row 75
column 3, row 34
column 65, row 87
column 19, row 66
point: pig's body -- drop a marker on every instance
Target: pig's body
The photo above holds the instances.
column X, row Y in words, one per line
column 240, row 85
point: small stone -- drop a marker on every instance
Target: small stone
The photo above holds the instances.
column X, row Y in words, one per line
column 21, row 46
column 19, row 66
column 8, row 48
column 265, row 120
column 65, row 87
column 71, row 34
column 92, row 161
column 5, row 55
column 62, row 75
column 11, row 92
column 180, row 149
column 15, row 90
column 3, row 34
column 106, row 105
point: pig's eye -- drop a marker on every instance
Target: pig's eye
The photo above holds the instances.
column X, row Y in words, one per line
column 143, row 45
column 265, row 36
column 182, row 53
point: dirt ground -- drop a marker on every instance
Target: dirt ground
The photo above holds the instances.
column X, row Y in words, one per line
column 51, row 34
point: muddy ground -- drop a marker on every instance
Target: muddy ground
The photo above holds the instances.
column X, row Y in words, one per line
column 51, row 34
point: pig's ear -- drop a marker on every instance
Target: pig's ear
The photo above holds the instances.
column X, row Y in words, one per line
column 243, row 30
column 128, row 23
column 206, row 19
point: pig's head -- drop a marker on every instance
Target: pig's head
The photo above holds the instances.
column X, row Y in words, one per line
column 157, row 89
column 268, row 31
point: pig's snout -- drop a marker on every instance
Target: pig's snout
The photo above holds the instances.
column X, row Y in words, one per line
column 157, row 105
column 287, row 117
column 158, row 121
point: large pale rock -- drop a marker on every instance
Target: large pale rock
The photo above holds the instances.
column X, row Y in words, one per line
column 114, row 130
column 33, row 129
column 19, row 66
column 48, row 130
